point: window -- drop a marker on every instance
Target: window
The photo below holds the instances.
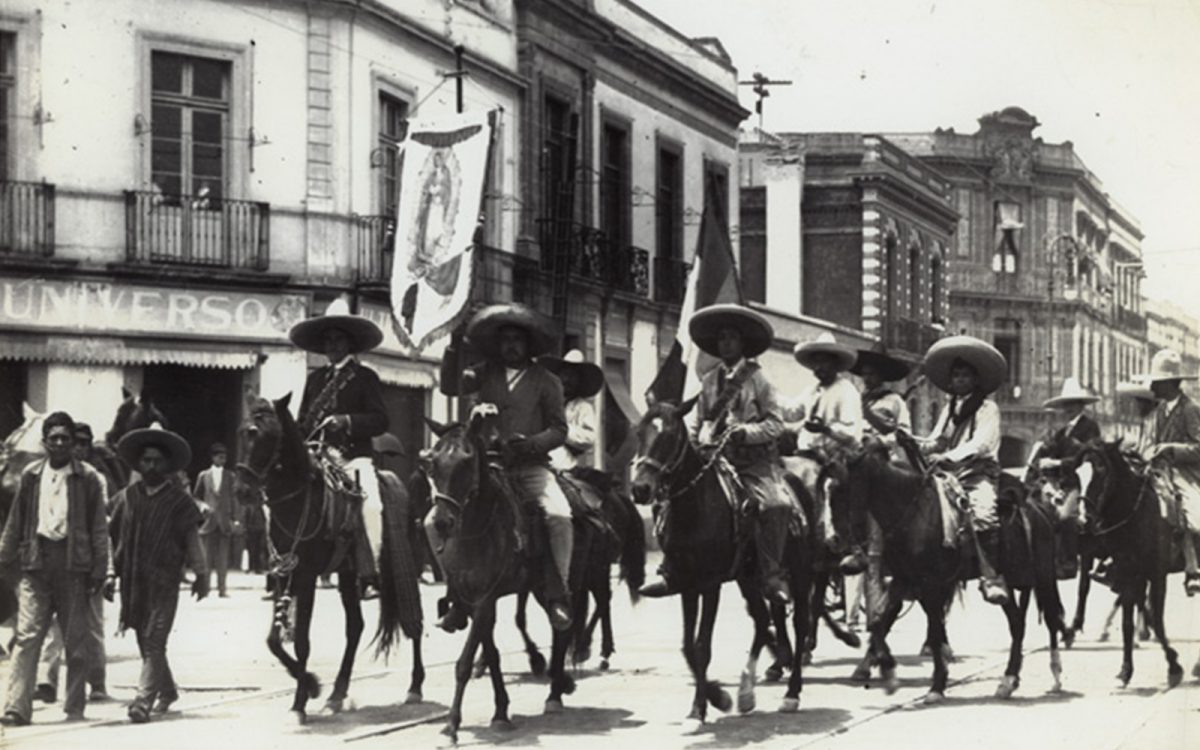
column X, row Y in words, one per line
column 559, row 128
column 189, row 124
column 614, row 182
column 716, row 179
column 8, row 99
column 1007, row 340
column 1007, row 221
column 936, row 286
column 914, row 283
column 753, row 245
column 393, row 124
column 894, row 276
column 668, row 203
column 962, row 238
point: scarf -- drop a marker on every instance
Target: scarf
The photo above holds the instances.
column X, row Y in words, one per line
column 323, row 405
column 152, row 546
column 963, row 418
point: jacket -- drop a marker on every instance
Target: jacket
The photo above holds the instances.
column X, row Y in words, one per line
column 1067, row 443
column 755, row 408
column 220, row 500
column 87, row 523
column 361, row 400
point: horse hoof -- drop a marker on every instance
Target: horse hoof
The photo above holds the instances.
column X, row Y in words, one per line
column 479, row 670
column 297, row 718
column 774, row 673
column 926, row 650
column 414, row 697
column 1174, row 675
column 932, row 698
column 1104, row 637
column 890, row 682
column 807, row 660
column 332, row 707
column 851, row 639
column 311, row 685
column 745, row 700
column 451, row 735
column 537, row 664
column 1125, row 675
column 1068, row 638
column 722, row 700
column 553, row 706
column 604, row 666
column 1196, row 670
column 582, row 654
column 789, row 706
column 862, row 673
column 1008, row 685
column 502, row 725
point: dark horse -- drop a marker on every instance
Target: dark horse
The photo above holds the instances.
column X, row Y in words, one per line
column 1123, row 513
column 274, row 466
column 905, row 504
column 473, row 531
column 701, row 542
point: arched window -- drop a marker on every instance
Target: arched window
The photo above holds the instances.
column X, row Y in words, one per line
column 914, row 282
column 935, row 286
column 893, row 277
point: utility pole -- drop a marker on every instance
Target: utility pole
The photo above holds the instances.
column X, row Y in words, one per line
column 760, row 83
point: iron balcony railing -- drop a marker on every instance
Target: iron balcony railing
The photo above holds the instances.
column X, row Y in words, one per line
column 376, row 247
column 504, row 276
column 670, row 280
column 196, row 231
column 590, row 254
column 27, row 219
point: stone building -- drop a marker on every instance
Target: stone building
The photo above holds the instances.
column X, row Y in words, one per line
column 1169, row 327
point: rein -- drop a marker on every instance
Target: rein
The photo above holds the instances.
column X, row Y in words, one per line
column 668, row 469
column 1137, row 504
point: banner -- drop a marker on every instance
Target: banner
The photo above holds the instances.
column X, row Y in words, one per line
column 441, row 189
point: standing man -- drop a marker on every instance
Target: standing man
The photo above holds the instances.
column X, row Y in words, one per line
column 56, row 540
column 1077, row 430
column 343, row 402
column 214, row 492
column 965, row 444
column 532, row 424
column 157, row 532
column 1175, row 456
column 738, row 404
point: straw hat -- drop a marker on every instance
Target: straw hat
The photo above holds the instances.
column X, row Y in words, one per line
column 590, row 377
column 706, row 324
column 1138, row 389
column 483, row 330
column 806, row 352
column 309, row 334
column 889, row 368
column 982, row 356
column 1167, row 365
column 1072, row 393
column 177, row 450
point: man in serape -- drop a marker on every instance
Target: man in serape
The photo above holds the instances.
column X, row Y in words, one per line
column 156, row 526
column 1174, row 456
column 343, row 404
column 831, row 411
column 965, row 444
column 738, row 404
column 531, row 422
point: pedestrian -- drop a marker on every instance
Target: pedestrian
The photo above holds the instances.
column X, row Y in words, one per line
column 214, row 492
column 56, row 540
column 156, row 527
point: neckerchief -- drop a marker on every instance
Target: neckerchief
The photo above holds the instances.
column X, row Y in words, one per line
column 720, row 408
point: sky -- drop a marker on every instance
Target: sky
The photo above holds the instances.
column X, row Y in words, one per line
column 1121, row 80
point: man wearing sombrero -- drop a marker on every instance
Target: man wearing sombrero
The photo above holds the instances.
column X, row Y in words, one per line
column 1175, row 456
column 157, row 530
column 529, row 400
column 1138, row 391
column 966, row 441
column 737, row 404
column 1078, row 429
column 581, row 381
column 343, row 405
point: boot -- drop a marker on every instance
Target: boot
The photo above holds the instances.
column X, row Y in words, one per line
column 854, row 562
column 660, row 587
column 991, row 583
column 561, row 531
column 455, row 618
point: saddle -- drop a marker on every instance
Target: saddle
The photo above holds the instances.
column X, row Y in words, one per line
column 587, row 505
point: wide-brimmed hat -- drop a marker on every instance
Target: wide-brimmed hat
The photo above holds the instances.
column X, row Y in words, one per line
column 706, row 323
column 1167, row 365
column 309, row 334
column 1072, row 393
column 806, row 352
column 483, row 330
column 988, row 362
column 590, row 376
column 1138, row 388
column 179, row 453
column 888, row 367
column 387, row 444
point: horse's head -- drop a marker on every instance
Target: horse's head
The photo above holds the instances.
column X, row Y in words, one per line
column 662, row 444
column 260, row 443
column 1110, row 472
column 133, row 413
column 455, row 467
column 22, row 447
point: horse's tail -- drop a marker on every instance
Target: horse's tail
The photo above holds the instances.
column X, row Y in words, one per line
column 633, row 544
column 399, row 597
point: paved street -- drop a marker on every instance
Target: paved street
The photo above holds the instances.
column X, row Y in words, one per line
column 234, row 694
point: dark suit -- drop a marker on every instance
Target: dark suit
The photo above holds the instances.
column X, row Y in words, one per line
column 361, row 399
column 1066, row 444
column 218, row 523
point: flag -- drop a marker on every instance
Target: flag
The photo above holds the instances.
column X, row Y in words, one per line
column 441, row 189
column 712, row 279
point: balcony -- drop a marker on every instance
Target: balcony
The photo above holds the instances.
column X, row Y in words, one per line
column 591, row 255
column 908, row 335
column 670, row 280
column 182, row 230
column 1131, row 322
column 375, row 246
column 27, row 219
column 504, row 276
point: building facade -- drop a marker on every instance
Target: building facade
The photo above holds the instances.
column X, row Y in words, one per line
column 1169, row 327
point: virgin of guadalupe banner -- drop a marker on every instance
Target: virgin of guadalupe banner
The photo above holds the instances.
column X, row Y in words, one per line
column 441, row 187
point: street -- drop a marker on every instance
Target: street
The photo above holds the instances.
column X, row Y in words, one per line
column 235, row 694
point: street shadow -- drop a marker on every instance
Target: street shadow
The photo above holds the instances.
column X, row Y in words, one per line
column 572, row 721
column 368, row 716
column 761, row 726
column 1016, row 701
column 850, row 662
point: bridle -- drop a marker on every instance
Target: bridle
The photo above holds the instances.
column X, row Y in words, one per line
column 1143, row 481
column 669, row 467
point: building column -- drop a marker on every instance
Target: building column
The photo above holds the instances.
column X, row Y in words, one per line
column 784, row 182
column 89, row 393
column 874, row 274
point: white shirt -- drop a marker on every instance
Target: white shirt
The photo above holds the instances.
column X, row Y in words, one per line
column 581, row 436
column 217, row 473
column 839, row 405
column 512, row 376
column 52, row 502
column 979, row 440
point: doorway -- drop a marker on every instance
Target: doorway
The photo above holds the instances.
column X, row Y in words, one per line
column 202, row 404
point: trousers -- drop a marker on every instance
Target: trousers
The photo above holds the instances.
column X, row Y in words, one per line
column 536, row 483
column 363, row 470
column 216, row 549
column 53, row 648
column 156, row 680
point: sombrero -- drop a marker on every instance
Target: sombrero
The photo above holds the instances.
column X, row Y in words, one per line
column 888, row 367
column 590, row 376
column 984, row 357
column 1072, row 393
column 484, row 328
column 387, row 444
column 309, row 334
column 1138, row 389
column 1167, row 365
column 707, row 323
column 179, row 453
column 806, row 352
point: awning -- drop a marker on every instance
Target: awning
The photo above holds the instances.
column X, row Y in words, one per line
column 401, row 372
column 115, row 351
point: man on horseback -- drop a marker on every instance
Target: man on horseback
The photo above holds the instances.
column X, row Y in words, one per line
column 343, row 407
column 1078, row 429
column 965, row 444
column 738, row 412
column 532, row 423
column 1175, row 456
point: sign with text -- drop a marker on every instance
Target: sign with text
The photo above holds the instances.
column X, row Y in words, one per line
column 104, row 307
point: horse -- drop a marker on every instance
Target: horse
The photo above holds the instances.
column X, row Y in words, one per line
column 274, row 467
column 1123, row 512
column 699, row 531
column 21, row 447
column 906, row 505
